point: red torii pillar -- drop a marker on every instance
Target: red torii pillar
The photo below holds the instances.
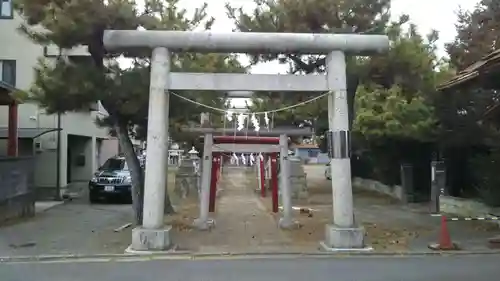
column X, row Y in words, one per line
column 274, row 181
column 262, row 171
column 214, row 178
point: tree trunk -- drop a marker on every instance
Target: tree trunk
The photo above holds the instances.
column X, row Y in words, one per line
column 169, row 209
column 136, row 172
column 137, row 175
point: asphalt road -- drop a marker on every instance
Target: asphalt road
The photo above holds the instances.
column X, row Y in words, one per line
column 451, row 268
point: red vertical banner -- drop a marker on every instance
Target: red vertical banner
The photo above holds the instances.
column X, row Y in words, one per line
column 274, row 181
column 262, row 177
column 12, row 138
column 213, row 183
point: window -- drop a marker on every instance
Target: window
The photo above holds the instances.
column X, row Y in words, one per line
column 312, row 153
column 114, row 164
column 8, row 71
column 6, row 9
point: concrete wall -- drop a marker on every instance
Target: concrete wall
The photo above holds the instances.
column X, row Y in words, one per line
column 107, row 148
column 395, row 191
column 15, row 46
column 318, row 158
column 468, row 208
column 83, row 162
column 17, row 194
column 463, row 207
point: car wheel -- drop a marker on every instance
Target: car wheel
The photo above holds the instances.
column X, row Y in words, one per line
column 93, row 199
column 128, row 199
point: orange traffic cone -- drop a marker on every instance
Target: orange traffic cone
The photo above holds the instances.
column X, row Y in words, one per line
column 445, row 243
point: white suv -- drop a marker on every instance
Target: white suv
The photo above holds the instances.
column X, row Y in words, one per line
column 328, row 172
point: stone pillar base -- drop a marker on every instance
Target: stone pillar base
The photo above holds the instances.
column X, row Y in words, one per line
column 288, row 223
column 202, row 224
column 151, row 239
column 338, row 239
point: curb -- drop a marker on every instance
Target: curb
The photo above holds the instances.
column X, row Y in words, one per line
column 48, row 258
column 59, row 203
column 344, row 254
column 186, row 255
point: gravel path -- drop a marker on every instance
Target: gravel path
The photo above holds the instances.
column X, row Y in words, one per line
column 397, row 226
column 242, row 222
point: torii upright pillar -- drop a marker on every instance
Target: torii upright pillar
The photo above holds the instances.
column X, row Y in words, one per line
column 152, row 235
column 286, row 221
column 343, row 234
column 203, row 222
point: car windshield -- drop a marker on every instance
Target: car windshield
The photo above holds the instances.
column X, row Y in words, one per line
column 114, row 164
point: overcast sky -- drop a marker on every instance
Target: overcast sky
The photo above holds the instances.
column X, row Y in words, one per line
column 426, row 14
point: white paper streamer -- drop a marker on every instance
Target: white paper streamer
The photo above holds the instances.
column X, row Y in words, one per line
column 229, row 116
column 241, row 121
column 236, row 159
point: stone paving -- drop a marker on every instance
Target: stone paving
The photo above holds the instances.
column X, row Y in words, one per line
column 74, row 227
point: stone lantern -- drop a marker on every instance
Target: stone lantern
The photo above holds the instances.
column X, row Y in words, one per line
column 193, row 154
column 174, row 154
column 187, row 181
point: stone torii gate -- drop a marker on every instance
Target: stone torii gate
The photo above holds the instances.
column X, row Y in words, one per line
column 343, row 233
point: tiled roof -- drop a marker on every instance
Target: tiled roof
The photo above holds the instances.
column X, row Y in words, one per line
column 486, row 64
column 5, row 93
column 5, row 86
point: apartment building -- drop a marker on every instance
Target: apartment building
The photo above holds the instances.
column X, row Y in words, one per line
column 66, row 148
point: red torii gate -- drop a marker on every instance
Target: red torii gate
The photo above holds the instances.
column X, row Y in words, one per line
column 217, row 160
column 263, row 142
